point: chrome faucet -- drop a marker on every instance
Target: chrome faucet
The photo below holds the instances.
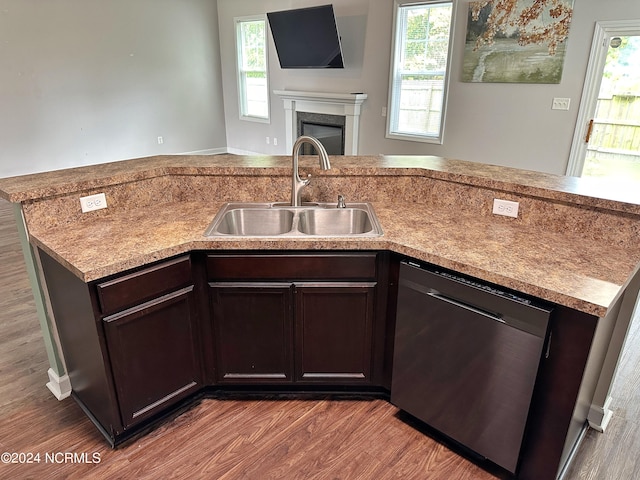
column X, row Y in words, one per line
column 296, row 182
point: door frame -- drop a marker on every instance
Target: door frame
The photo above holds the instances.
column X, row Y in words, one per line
column 597, row 58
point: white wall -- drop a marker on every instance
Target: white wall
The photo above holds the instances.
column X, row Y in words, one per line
column 504, row 124
column 91, row 81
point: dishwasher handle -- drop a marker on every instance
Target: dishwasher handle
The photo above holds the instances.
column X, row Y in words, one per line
column 437, row 295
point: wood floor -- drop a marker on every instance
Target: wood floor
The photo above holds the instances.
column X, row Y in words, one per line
column 248, row 439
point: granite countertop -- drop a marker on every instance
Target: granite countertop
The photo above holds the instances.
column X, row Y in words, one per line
column 554, row 267
column 585, row 191
column 566, row 268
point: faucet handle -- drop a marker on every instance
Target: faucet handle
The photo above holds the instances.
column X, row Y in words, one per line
column 302, row 181
column 341, row 203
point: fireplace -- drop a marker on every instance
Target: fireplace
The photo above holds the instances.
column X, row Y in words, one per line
column 328, row 129
column 327, row 112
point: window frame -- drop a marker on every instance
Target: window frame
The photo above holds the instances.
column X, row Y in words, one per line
column 396, row 57
column 240, row 79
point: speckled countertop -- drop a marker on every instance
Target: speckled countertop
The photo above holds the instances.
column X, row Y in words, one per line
column 592, row 192
column 563, row 265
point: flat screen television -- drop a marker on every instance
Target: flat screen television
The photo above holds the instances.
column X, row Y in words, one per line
column 306, row 37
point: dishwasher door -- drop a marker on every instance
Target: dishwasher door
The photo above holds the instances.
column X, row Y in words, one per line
column 465, row 360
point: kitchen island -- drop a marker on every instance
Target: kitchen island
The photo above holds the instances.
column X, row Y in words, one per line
column 574, row 245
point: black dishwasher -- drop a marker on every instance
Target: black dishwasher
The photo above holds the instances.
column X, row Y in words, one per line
column 465, row 359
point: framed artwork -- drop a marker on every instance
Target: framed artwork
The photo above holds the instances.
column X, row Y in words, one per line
column 516, row 41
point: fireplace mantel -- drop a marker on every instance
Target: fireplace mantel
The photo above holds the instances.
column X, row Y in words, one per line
column 345, row 104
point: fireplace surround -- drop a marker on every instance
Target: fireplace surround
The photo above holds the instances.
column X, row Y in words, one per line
column 325, row 105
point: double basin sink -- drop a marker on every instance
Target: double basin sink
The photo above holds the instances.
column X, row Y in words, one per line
column 283, row 220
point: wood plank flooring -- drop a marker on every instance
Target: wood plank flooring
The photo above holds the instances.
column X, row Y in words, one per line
column 245, row 439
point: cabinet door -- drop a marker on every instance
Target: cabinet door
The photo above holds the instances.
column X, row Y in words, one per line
column 253, row 332
column 154, row 354
column 334, row 332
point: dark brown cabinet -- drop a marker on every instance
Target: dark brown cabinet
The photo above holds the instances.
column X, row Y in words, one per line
column 141, row 343
column 252, row 330
column 301, row 318
column 153, row 346
column 131, row 342
column 154, row 356
column 333, row 328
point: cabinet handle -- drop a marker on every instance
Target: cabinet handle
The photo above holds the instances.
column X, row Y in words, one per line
column 484, row 313
column 548, row 352
column 151, row 304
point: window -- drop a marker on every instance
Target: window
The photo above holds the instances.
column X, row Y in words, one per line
column 253, row 85
column 419, row 70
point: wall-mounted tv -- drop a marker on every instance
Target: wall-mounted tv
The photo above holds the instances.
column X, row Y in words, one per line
column 306, row 37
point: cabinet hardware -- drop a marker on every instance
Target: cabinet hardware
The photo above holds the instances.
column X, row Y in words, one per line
column 548, row 352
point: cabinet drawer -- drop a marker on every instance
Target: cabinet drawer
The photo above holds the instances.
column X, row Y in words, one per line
column 330, row 266
column 138, row 287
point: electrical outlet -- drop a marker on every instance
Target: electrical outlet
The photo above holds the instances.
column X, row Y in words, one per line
column 268, row 140
column 93, row 202
column 560, row 104
column 275, row 141
column 160, row 140
column 505, row 207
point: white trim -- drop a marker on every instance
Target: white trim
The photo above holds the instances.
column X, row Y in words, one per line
column 237, row 21
column 599, row 48
column 209, row 151
column 599, row 417
column 344, row 104
column 395, row 54
column 251, row 118
column 59, row 386
column 237, row 151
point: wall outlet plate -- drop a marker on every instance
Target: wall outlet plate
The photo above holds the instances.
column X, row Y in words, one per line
column 560, row 103
column 93, row 202
column 505, row 207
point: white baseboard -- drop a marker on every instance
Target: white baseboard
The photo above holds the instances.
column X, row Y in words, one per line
column 209, row 151
column 599, row 416
column 237, row 151
column 223, row 150
column 59, row 386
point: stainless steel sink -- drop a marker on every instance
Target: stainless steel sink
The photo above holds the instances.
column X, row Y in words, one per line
column 281, row 220
column 335, row 221
column 256, row 221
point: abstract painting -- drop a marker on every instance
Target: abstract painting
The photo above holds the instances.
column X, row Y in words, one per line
column 516, row 41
